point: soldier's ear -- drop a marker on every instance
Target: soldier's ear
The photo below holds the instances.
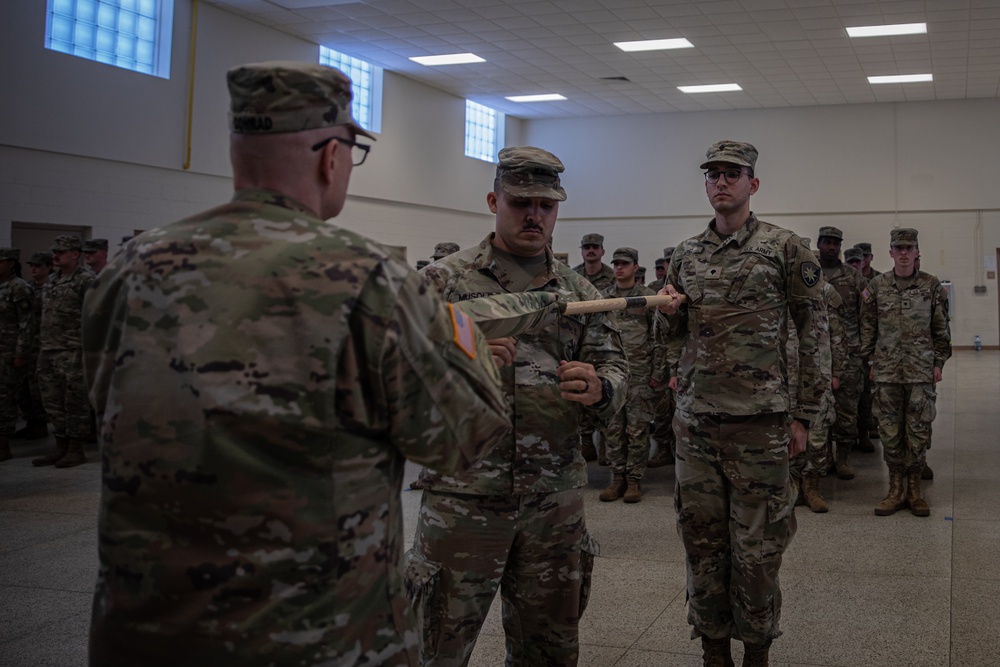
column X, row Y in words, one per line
column 754, row 185
column 491, row 201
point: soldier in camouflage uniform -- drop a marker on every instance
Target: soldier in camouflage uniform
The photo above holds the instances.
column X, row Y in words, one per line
column 95, row 254
column 867, row 270
column 906, row 340
column 17, row 303
column 853, row 258
column 628, row 431
column 29, row 397
column 660, row 270
column 444, row 249
column 516, row 521
column 262, row 374
column 736, row 423
column 860, row 257
column 60, row 360
column 663, row 410
column 849, row 285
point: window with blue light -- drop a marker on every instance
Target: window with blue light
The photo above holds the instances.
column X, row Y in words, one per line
column 132, row 34
column 483, row 131
column 366, row 86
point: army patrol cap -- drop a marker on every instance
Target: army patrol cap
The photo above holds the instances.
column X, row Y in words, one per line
column 444, row 249
column 39, row 258
column 526, row 171
column 731, row 152
column 903, row 236
column 592, row 239
column 668, row 252
column 66, row 242
column 626, row 255
column 864, row 247
column 831, row 232
column 93, row 245
column 283, row 96
column 562, row 257
column 660, row 261
column 853, row 254
column 13, row 254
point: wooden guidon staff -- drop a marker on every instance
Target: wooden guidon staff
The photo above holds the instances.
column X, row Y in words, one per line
column 622, row 303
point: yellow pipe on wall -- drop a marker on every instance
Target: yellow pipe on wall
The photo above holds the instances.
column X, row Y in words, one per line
column 190, row 105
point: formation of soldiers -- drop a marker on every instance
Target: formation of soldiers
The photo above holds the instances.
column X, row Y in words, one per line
column 259, row 376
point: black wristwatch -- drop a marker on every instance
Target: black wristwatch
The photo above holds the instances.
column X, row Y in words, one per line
column 607, row 391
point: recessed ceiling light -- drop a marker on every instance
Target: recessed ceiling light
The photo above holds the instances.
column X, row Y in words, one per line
column 655, row 44
column 448, row 59
column 881, row 30
column 547, row 97
column 712, row 88
column 901, row 78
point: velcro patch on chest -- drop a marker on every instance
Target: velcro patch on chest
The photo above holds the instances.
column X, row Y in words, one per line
column 762, row 250
column 464, row 337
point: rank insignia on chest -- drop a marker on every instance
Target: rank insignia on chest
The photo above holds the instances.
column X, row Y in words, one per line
column 810, row 274
column 906, row 303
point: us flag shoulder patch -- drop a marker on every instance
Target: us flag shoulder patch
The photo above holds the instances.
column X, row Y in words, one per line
column 464, row 338
column 866, row 294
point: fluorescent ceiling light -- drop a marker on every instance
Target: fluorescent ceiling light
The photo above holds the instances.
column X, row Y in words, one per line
column 901, row 78
column 881, row 30
column 448, row 59
column 712, row 88
column 655, row 44
column 547, row 97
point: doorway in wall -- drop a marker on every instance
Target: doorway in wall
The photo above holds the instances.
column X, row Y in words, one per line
column 32, row 237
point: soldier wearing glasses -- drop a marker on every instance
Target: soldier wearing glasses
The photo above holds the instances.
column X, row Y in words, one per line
column 737, row 422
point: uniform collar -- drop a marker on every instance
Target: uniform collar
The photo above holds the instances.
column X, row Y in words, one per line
column 739, row 237
column 486, row 260
column 272, row 198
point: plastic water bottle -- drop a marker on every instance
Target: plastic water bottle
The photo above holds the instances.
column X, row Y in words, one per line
column 978, row 344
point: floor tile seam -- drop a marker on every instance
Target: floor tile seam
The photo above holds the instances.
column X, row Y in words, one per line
column 89, row 593
column 47, row 542
column 41, row 627
column 813, row 570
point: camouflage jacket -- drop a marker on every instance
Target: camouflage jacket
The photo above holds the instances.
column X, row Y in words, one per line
column 62, row 309
column 849, row 283
column 832, row 355
column 657, row 285
column 645, row 350
column 542, row 454
column 872, row 274
column 905, row 330
column 261, row 375
column 602, row 280
column 742, row 290
column 17, row 305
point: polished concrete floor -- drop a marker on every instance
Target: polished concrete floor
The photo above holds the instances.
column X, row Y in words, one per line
column 859, row 590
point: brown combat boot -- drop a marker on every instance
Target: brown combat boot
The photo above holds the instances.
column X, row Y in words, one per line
column 755, row 655
column 664, row 457
column 895, row 501
column 810, row 489
column 918, row 506
column 614, row 490
column 927, row 474
column 5, row 454
column 587, row 447
column 716, row 653
column 50, row 459
column 865, row 443
column 74, row 455
column 633, row 493
column 844, row 469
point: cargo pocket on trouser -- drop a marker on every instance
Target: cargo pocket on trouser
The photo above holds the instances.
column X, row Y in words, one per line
column 589, row 550
column 422, row 579
column 929, row 410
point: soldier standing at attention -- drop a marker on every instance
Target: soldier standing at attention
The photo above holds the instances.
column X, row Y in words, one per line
column 660, row 270
column 95, row 254
column 849, row 285
column 17, row 303
column 261, row 375
column 628, row 430
column 867, row 270
column 60, row 361
column 444, row 249
column 516, row 521
column 663, row 410
column 905, row 339
column 867, row 428
column 744, row 279
column 29, row 398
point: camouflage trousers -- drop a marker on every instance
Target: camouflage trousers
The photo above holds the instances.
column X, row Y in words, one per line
column 735, row 518
column 10, row 378
column 844, row 432
column 866, row 418
column 663, row 418
column 29, row 396
column 905, row 413
column 628, row 434
column 815, row 461
column 64, row 392
column 534, row 548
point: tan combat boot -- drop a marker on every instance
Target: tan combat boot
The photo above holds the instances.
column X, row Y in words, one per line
column 918, row 506
column 74, row 455
column 5, row 454
column 716, row 653
column 755, row 655
column 615, row 489
column 844, row 469
column 895, row 501
column 587, row 447
column 810, row 489
column 633, row 493
column 50, row 459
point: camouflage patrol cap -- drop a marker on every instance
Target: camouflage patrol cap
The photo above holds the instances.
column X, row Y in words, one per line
column 592, row 239
column 731, row 152
column 93, row 245
column 660, row 261
column 12, row 254
column 39, row 258
column 626, row 255
column 903, row 236
column 66, row 242
column 526, row 171
column 831, row 232
column 852, row 254
column 562, row 257
column 668, row 252
column 444, row 249
column 421, row 263
column 283, row 96
column 864, row 247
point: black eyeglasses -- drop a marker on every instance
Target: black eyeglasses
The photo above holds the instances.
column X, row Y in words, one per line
column 359, row 152
column 732, row 175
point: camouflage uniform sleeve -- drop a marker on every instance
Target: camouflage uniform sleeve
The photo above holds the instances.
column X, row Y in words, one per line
column 838, row 341
column 105, row 311
column 24, row 303
column 805, row 305
column 869, row 321
column 940, row 327
column 660, row 371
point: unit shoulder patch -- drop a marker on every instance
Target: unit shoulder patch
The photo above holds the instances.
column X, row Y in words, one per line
column 810, row 273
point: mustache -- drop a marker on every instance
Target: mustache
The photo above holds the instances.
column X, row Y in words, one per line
column 532, row 228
